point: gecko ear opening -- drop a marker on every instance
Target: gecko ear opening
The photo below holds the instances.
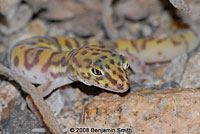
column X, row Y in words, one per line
column 96, row 72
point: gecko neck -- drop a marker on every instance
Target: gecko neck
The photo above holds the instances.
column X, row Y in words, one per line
column 65, row 68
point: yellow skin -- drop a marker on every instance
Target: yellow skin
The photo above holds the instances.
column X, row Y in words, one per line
column 57, row 61
column 93, row 65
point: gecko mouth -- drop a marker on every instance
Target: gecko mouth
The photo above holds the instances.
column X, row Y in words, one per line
column 119, row 88
column 118, row 91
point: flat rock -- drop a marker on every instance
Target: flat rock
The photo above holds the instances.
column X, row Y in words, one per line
column 146, row 111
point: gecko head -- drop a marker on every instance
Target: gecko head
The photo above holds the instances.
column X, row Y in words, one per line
column 102, row 67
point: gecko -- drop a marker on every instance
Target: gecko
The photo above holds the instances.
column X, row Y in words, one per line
column 61, row 60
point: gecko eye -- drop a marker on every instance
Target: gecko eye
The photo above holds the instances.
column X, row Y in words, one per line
column 96, row 72
column 126, row 66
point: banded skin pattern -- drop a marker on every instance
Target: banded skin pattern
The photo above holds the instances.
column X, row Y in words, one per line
column 57, row 61
column 47, row 62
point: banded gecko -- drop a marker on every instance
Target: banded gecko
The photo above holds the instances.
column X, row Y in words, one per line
column 57, row 61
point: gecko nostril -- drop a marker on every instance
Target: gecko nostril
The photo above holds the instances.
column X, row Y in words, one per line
column 120, row 86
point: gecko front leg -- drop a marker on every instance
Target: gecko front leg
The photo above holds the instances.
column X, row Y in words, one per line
column 46, row 88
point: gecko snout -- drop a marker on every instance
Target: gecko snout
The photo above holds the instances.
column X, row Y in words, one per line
column 120, row 86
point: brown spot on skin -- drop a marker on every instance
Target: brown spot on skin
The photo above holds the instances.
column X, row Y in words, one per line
column 112, row 61
column 76, row 42
column 102, row 46
column 87, row 77
column 84, row 76
column 107, row 51
column 127, row 83
column 113, row 55
column 104, row 57
column 89, row 62
column 62, row 61
column 121, row 78
column 120, row 70
column 97, row 62
column 98, row 49
column 101, row 67
column 57, row 44
column 94, row 53
column 113, row 81
column 68, row 44
column 134, row 45
column 84, row 52
column 107, row 66
column 99, row 78
column 55, row 75
column 114, row 72
column 16, row 61
column 35, row 58
column 120, row 86
column 106, row 85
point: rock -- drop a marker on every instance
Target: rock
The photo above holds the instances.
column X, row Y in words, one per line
column 37, row 5
column 35, row 28
column 150, row 112
column 176, row 69
column 191, row 76
column 63, row 9
column 95, row 5
column 74, row 101
column 8, row 7
column 8, row 93
column 181, row 4
column 137, row 9
column 83, row 26
column 194, row 10
column 20, row 122
column 17, row 20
